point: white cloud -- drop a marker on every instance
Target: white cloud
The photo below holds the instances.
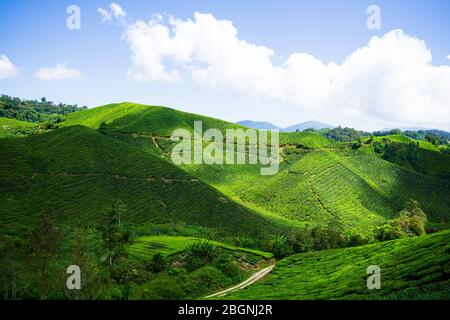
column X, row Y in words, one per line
column 106, row 16
column 391, row 81
column 60, row 72
column 115, row 11
column 448, row 57
column 7, row 68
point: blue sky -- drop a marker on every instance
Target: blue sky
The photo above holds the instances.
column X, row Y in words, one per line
column 34, row 35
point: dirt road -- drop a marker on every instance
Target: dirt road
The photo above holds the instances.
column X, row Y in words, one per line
column 255, row 277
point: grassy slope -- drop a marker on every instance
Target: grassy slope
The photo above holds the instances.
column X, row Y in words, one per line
column 309, row 140
column 411, row 268
column 75, row 174
column 136, row 118
column 360, row 190
column 6, row 125
column 145, row 247
column 429, row 158
column 403, row 139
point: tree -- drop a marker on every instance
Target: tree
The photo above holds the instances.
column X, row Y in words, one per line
column 389, row 231
column 158, row 263
column 45, row 244
column 280, row 247
column 86, row 251
column 413, row 219
column 112, row 233
column 409, row 222
column 356, row 144
column 32, row 110
column 432, row 138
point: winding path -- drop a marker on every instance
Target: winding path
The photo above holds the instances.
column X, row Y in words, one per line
column 255, row 277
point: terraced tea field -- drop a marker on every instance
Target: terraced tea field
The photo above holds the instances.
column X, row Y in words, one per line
column 318, row 181
column 426, row 158
column 136, row 118
column 75, row 174
column 412, row 268
column 147, row 246
column 361, row 191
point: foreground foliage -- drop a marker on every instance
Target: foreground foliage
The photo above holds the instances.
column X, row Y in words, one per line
column 411, row 268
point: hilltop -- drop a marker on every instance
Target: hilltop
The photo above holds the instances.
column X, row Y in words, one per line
column 136, row 118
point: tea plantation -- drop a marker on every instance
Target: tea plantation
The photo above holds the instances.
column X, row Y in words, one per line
column 412, row 268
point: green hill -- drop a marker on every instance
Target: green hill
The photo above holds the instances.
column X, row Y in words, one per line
column 75, row 174
column 403, row 139
column 316, row 186
column 319, row 181
column 420, row 156
column 136, row 118
column 308, row 140
column 411, row 268
column 361, row 191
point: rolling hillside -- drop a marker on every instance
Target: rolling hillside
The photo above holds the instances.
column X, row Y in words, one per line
column 75, row 174
column 319, row 181
column 136, row 118
column 418, row 155
column 412, row 268
column 361, row 191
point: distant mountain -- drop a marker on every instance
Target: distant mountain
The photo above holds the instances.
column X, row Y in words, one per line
column 258, row 125
column 308, row 124
column 300, row 126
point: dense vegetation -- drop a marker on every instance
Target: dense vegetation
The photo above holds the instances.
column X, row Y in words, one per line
column 33, row 110
column 113, row 266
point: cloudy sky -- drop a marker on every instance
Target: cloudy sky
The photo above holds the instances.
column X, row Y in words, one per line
column 280, row 61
